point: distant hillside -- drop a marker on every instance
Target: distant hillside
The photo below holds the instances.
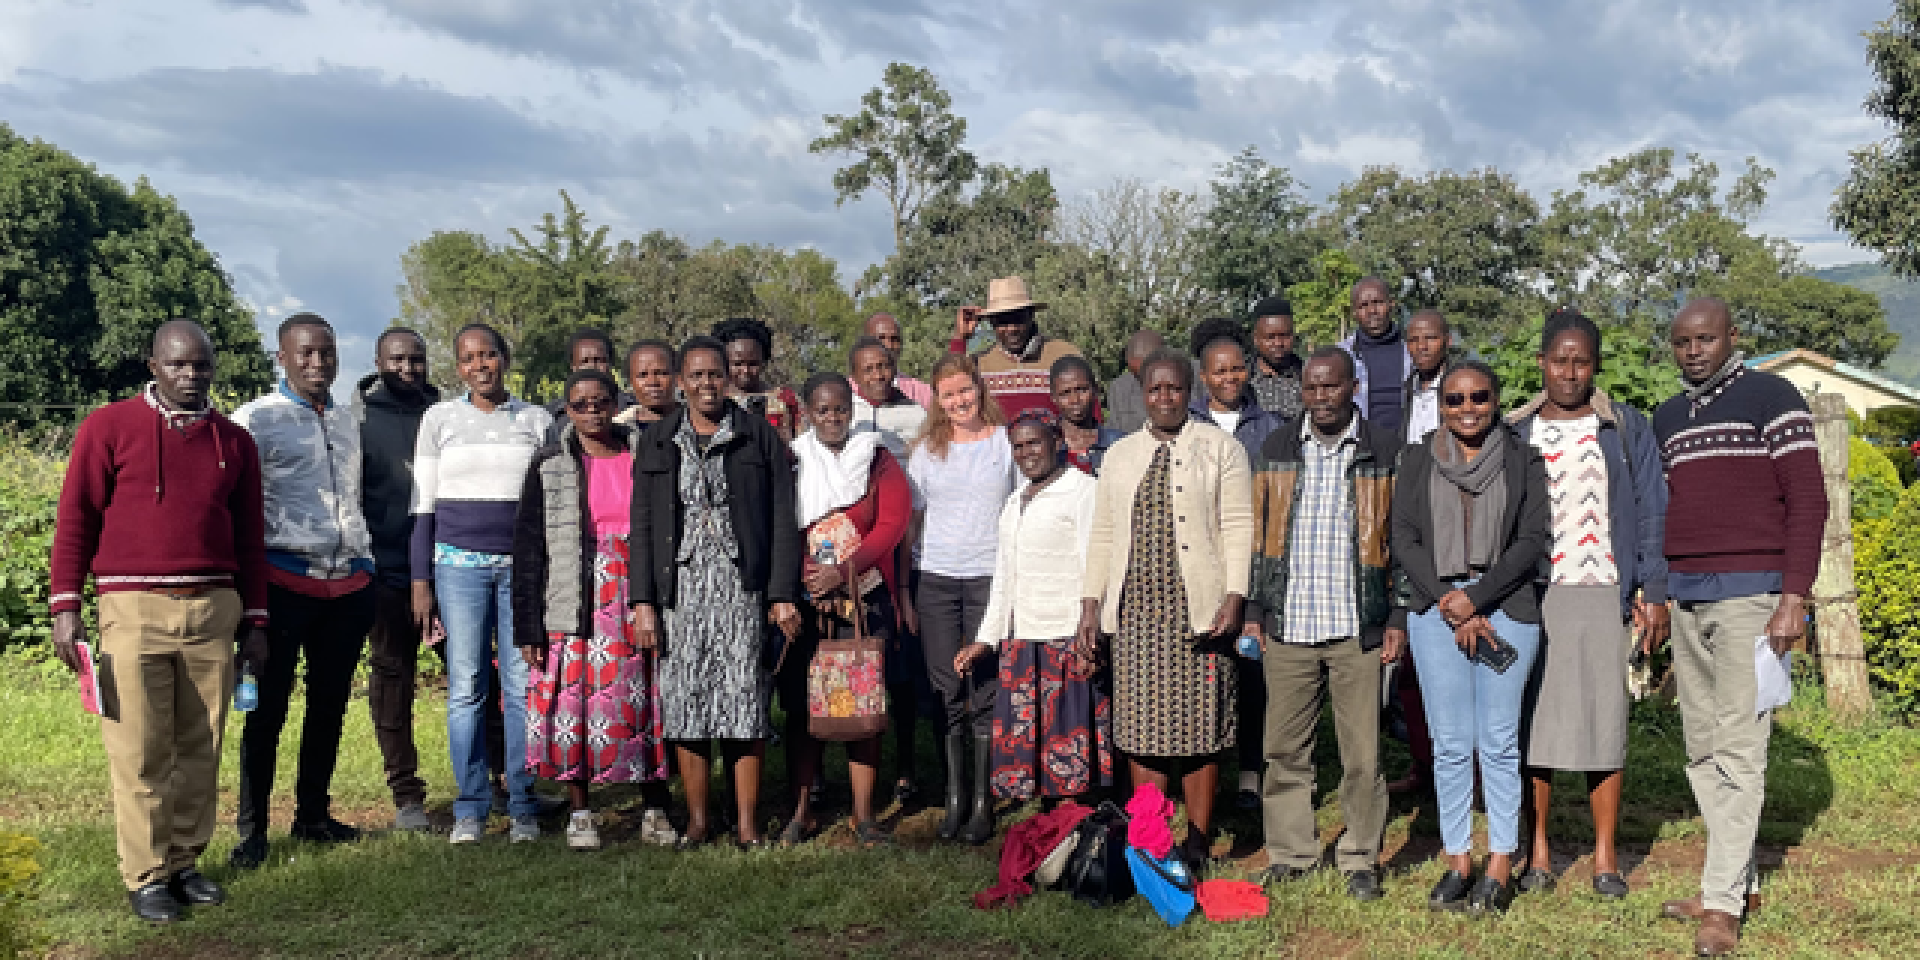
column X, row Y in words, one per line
column 1901, row 299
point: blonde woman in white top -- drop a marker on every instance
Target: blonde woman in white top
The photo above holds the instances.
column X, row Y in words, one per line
column 1050, row 719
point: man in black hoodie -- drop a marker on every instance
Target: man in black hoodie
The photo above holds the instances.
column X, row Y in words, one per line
column 389, row 404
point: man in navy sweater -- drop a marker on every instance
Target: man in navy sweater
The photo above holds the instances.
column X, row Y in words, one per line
column 1745, row 514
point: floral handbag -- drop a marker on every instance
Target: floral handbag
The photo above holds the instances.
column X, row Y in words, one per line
column 847, row 681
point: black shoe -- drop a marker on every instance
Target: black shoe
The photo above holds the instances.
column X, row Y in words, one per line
column 191, row 886
column 250, row 853
column 1247, row 800
column 154, row 903
column 1489, row 896
column 1450, row 894
column 1536, row 881
column 1364, row 885
column 1281, row 873
column 1197, row 849
column 1610, row 885
column 979, row 827
column 328, row 831
column 905, row 791
column 955, row 745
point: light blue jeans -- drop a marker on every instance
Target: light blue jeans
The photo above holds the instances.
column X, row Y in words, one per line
column 1472, row 710
column 476, row 607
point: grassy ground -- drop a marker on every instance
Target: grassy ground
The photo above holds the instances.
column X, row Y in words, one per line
column 1841, row 847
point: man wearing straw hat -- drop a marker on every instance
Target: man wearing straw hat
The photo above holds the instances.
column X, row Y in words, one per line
column 1016, row 366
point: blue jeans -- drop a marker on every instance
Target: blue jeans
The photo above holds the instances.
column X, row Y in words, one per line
column 476, row 607
column 1471, row 709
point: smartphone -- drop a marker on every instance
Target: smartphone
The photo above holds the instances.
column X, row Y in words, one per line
column 1496, row 653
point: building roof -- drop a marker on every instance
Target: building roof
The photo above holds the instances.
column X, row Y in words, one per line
column 1773, row 362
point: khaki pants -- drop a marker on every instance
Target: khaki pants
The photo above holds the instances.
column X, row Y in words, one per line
column 171, row 666
column 1300, row 679
column 1726, row 740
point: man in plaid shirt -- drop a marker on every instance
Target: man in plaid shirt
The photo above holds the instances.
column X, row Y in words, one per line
column 1320, row 605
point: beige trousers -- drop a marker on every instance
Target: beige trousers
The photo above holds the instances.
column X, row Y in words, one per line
column 166, row 666
column 1726, row 738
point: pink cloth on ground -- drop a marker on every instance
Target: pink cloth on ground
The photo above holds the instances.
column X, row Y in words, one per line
column 1149, row 816
column 610, row 493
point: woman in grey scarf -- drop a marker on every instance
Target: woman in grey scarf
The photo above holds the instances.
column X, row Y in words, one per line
column 1471, row 524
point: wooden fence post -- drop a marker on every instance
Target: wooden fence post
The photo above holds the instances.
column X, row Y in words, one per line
column 1836, row 607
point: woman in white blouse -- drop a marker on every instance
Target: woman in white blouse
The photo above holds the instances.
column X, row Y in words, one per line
column 1050, row 719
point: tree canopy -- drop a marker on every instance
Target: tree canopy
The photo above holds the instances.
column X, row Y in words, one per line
column 1879, row 203
column 88, row 270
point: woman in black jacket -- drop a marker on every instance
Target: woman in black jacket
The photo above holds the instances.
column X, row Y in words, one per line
column 1471, row 524
column 716, row 552
column 593, row 703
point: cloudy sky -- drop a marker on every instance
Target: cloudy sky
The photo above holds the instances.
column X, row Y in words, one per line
column 313, row 140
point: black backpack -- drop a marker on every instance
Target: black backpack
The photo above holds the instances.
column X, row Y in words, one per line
column 1096, row 873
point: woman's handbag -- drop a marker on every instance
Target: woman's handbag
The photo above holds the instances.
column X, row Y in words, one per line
column 1166, row 883
column 1096, row 871
column 846, row 682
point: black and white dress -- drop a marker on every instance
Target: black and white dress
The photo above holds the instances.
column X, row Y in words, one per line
column 712, row 684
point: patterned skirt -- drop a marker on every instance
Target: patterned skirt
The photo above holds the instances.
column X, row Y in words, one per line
column 1170, row 698
column 594, row 713
column 1052, row 735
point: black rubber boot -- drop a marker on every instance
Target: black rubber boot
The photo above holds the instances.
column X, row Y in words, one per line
column 956, row 753
column 980, row 825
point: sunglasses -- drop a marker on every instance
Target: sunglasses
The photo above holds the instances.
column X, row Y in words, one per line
column 589, row 404
column 1460, row 399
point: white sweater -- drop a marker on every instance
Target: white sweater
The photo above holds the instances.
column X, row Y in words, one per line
column 1038, row 563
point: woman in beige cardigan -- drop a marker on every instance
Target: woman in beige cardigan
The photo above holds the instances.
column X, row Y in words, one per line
column 1166, row 577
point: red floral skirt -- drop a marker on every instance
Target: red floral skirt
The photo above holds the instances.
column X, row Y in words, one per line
column 1052, row 734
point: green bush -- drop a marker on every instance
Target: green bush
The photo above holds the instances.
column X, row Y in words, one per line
column 1901, row 456
column 1886, row 566
column 29, row 493
column 19, row 864
column 1875, row 483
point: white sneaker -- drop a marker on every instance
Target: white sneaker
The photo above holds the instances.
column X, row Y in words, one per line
column 413, row 817
column 467, row 830
column 525, row 830
column 581, row 833
column 656, row 830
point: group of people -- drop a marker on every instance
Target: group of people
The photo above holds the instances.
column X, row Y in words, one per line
column 1082, row 585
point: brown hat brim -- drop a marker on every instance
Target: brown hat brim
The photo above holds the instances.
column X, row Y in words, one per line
column 1030, row 304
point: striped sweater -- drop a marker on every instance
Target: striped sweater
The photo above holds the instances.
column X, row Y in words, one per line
column 1743, row 478
column 468, row 466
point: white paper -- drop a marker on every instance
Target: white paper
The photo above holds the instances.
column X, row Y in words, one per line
column 1772, row 675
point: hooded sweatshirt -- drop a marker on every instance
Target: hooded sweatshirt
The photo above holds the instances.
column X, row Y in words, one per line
column 389, row 423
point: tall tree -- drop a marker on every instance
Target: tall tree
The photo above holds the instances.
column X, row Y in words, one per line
column 1879, row 204
column 1151, row 240
column 562, row 281
column 1256, row 238
column 88, row 269
column 906, row 143
column 1466, row 244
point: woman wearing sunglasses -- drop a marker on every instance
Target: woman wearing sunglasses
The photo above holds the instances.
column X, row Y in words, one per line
column 1471, row 523
column 593, row 706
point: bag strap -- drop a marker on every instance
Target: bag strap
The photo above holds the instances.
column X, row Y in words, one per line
column 859, row 603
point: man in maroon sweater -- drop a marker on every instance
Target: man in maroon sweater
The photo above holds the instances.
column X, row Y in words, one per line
column 1745, row 514
column 161, row 504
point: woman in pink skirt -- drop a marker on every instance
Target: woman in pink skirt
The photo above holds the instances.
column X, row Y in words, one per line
column 593, row 711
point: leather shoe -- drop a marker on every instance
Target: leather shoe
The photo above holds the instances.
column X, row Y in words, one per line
column 249, row 853
column 1691, row 908
column 1536, row 881
column 1610, row 885
column 1450, row 894
column 1364, row 885
column 154, row 903
column 1489, row 896
column 192, row 886
column 1718, row 934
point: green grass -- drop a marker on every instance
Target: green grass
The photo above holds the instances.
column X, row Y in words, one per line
column 1843, row 811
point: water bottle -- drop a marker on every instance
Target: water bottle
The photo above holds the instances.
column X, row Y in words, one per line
column 1248, row 647
column 246, row 692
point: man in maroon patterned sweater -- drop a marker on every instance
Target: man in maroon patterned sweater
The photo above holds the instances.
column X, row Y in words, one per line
column 1745, row 515
column 161, row 505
